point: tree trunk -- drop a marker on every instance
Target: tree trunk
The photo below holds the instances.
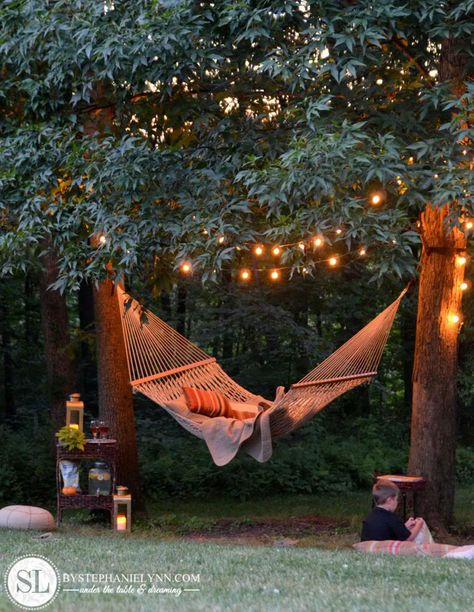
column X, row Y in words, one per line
column 227, row 306
column 115, row 392
column 165, row 300
column 181, row 308
column 30, row 310
column 433, row 437
column 8, row 366
column 433, row 433
column 88, row 368
column 407, row 331
column 55, row 328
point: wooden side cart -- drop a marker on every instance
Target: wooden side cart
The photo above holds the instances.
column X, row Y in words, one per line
column 100, row 450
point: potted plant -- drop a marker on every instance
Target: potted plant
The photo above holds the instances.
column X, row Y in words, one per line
column 71, row 437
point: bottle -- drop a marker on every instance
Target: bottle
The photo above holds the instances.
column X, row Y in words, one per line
column 99, row 479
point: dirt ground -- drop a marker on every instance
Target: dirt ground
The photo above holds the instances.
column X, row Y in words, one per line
column 287, row 531
column 310, row 530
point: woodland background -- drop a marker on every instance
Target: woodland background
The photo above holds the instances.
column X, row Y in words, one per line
column 264, row 335
column 192, row 130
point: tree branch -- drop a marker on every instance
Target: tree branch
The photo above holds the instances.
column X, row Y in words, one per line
column 421, row 69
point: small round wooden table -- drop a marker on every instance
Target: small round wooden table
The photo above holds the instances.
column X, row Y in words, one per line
column 406, row 484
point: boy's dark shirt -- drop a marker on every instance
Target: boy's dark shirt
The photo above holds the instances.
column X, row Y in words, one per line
column 382, row 524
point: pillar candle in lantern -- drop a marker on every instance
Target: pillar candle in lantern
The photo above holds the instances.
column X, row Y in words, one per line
column 122, row 513
column 75, row 412
column 121, row 522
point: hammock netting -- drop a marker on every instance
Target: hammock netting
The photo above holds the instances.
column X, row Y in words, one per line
column 161, row 361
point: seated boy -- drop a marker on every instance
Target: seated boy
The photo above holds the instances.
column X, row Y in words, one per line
column 383, row 524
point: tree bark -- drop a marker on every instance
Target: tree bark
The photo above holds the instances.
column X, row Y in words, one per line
column 408, row 330
column 115, row 393
column 7, row 357
column 227, row 307
column 30, row 310
column 181, row 298
column 55, row 328
column 433, row 437
column 433, row 426
column 88, row 368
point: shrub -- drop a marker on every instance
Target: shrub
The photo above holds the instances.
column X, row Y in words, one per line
column 309, row 461
column 27, row 466
column 465, row 465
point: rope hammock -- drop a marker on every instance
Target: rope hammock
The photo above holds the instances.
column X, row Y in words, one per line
column 161, row 362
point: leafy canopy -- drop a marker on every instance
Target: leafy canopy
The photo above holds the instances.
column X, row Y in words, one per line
column 164, row 125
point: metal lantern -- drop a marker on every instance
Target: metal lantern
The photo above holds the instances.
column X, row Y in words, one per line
column 122, row 517
column 75, row 412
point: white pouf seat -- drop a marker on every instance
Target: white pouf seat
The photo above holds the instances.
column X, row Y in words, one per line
column 26, row 517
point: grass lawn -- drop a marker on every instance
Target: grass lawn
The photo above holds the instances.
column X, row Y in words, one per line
column 307, row 576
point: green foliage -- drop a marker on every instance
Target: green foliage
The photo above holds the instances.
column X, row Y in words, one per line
column 310, row 461
column 26, row 467
column 256, row 121
column 71, row 438
column 465, row 465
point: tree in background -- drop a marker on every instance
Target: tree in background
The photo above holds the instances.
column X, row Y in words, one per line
column 253, row 122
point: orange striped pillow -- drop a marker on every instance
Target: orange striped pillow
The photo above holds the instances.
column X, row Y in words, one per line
column 210, row 403
column 403, row 548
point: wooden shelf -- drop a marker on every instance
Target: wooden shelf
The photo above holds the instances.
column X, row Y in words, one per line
column 93, row 451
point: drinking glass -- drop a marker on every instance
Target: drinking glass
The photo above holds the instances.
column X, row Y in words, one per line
column 94, row 429
column 103, row 429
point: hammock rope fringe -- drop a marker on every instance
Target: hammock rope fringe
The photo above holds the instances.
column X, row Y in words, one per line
column 161, row 361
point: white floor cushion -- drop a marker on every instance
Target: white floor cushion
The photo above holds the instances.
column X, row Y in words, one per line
column 26, row 517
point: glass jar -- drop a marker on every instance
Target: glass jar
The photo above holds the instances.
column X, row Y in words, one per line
column 99, row 479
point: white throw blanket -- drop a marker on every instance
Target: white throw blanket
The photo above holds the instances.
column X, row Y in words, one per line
column 224, row 437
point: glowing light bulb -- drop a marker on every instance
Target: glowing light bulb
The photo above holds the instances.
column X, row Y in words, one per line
column 274, row 275
column 469, row 225
column 461, row 260
column 463, row 286
column 376, row 198
column 245, row 275
column 276, row 251
column 435, row 176
column 379, row 81
column 258, row 251
column 464, row 152
column 205, row 232
column 454, row 318
column 362, row 252
column 317, row 242
column 301, row 246
column 221, row 239
column 186, row 267
column 411, row 160
column 339, row 231
column 102, row 239
column 332, row 261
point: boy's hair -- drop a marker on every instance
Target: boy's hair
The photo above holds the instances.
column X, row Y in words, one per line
column 382, row 490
